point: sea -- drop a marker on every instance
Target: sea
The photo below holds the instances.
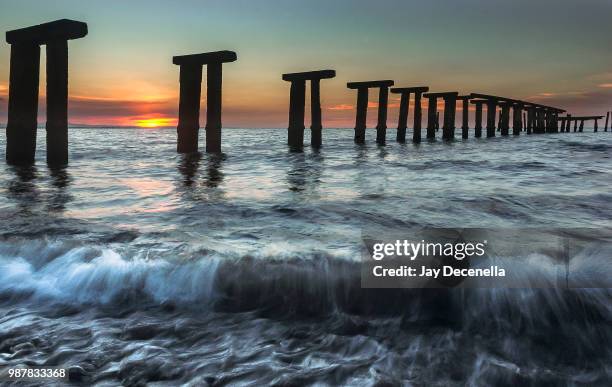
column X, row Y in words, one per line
column 135, row 265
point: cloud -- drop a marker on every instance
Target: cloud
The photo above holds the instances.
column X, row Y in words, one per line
column 342, row 106
column 605, row 85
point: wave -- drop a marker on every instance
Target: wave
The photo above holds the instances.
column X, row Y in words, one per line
column 51, row 272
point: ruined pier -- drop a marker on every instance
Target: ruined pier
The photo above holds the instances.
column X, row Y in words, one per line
column 297, row 102
column 402, row 123
column 190, row 79
column 23, row 89
column 362, row 108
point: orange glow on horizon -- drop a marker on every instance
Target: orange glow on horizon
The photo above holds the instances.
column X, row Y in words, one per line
column 155, row 122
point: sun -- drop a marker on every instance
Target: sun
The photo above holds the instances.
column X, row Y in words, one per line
column 155, row 122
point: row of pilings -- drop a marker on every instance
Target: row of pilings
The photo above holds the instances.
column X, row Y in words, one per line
column 21, row 127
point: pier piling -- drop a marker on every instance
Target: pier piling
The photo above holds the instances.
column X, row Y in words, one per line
column 362, row 108
column 23, row 89
column 190, row 78
column 297, row 101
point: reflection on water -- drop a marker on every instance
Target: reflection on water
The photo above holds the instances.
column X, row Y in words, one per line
column 60, row 180
column 214, row 172
column 22, row 187
column 188, row 166
column 305, row 171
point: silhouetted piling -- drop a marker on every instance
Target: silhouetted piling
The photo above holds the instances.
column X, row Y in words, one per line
column 478, row 117
column 432, row 116
column 57, row 102
column 569, row 123
column 504, row 115
column 517, row 122
column 595, row 125
column 418, row 117
column 297, row 100
column 402, row 123
column 450, row 107
column 450, row 110
column 23, row 89
column 362, row 108
column 381, row 126
column 189, row 100
column 316, row 123
column 581, row 128
column 491, row 112
column 465, row 126
column 607, row 119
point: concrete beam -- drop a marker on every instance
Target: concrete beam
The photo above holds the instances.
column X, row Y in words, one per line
column 309, row 75
column 369, row 84
column 63, row 29
column 417, row 89
column 205, row 58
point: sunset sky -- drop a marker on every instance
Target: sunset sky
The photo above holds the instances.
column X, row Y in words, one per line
column 553, row 52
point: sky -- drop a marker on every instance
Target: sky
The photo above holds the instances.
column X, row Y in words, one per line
column 551, row 52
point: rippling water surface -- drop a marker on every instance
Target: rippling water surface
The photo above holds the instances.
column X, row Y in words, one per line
column 138, row 265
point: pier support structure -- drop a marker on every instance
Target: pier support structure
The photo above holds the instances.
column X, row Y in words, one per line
column 450, row 108
column 297, row 99
column 23, row 89
column 504, row 115
column 465, row 125
column 362, row 108
column 402, row 123
column 517, row 118
column 189, row 100
column 478, row 116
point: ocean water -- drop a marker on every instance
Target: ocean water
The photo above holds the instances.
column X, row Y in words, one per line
column 135, row 265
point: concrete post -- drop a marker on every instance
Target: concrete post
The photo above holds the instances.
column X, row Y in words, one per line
column 450, row 109
column 569, row 123
column 297, row 100
column 362, row 112
column 381, row 126
column 581, row 128
column 213, row 110
column 418, row 113
column 402, row 122
column 595, row 126
column 23, row 103
column 505, row 118
column 57, row 102
column 491, row 112
column 316, row 125
column 517, row 122
column 575, row 125
column 432, row 116
column 478, row 119
column 465, row 126
column 189, row 108
column 607, row 117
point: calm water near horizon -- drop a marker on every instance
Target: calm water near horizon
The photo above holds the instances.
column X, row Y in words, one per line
column 136, row 264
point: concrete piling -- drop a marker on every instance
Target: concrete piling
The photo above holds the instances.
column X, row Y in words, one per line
column 297, row 101
column 23, row 89
column 362, row 107
column 190, row 78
